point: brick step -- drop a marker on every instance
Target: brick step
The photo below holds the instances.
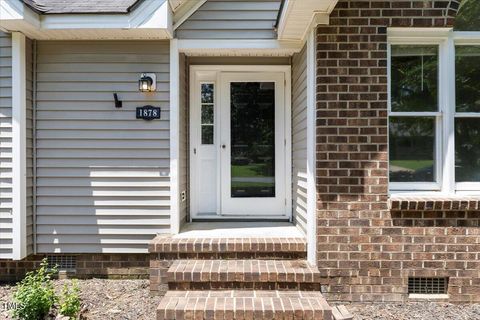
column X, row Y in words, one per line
column 245, row 274
column 239, row 305
column 228, row 248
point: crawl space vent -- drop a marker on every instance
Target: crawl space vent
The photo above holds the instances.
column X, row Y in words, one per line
column 62, row 262
column 427, row 285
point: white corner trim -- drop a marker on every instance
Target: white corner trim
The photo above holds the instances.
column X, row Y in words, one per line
column 19, row 143
column 311, row 150
column 187, row 14
column 174, row 137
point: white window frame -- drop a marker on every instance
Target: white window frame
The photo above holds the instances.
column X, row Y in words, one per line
column 447, row 40
column 435, row 40
column 464, row 38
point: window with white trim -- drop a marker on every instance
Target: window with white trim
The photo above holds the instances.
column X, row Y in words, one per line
column 434, row 108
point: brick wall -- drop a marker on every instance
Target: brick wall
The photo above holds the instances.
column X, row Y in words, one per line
column 113, row 266
column 366, row 252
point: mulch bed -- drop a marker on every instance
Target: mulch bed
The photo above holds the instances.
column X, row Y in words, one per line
column 131, row 300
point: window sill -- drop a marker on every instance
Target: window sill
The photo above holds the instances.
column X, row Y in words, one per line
column 432, row 202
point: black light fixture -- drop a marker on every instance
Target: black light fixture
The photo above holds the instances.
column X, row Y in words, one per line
column 147, row 82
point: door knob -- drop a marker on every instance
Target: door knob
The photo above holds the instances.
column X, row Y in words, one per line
column 223, row 146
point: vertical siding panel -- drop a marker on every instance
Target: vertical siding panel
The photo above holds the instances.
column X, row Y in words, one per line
column 225, row 19
column 102, row 176
column 5, row 146
column 299, row 139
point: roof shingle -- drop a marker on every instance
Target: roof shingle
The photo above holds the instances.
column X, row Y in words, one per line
column 81, row 6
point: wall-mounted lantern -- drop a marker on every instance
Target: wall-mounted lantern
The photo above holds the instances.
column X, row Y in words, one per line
column 147, row 82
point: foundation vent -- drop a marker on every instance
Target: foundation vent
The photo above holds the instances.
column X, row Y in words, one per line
column 427, row 285
column 62, row 262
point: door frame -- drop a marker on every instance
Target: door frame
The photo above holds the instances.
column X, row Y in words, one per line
column 212, row 73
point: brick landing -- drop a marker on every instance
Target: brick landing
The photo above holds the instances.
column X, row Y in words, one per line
column 235, row 278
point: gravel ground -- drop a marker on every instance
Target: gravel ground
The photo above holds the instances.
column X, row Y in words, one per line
column 131, row 300
column 415, row 311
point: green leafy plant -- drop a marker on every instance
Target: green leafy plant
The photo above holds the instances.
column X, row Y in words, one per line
column 35, row 295
column 70, row 301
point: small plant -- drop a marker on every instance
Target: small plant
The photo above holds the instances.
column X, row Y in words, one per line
column 35, row 294
column 70, row 303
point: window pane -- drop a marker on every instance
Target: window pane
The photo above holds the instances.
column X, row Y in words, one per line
column 414, row 78
column 467, row 149
column 412, row 149
column 467, row 65
column 207, row 134
column 252, row 139
column 468, row 16
column 207, row 93
column 207, row 114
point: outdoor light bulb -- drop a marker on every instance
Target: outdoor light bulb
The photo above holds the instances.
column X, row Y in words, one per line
column 146, row 83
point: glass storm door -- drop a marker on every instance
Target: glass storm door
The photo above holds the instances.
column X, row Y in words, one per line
column 252, row 138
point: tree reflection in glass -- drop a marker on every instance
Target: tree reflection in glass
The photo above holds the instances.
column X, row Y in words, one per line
column 412, row 149
column 252, row 139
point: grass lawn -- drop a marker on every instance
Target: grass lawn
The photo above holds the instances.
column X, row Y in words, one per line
column 412, row 164
column 251, row 170
column 252, row 184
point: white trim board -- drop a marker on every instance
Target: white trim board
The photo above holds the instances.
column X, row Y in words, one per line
column 185, row 12
column 19, row 146
column 151, row 20
column 311, row 150
column 239, row 47
column 174, row 137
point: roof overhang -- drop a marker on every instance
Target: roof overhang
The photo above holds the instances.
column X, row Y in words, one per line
column 151, row 20
column 297, row 17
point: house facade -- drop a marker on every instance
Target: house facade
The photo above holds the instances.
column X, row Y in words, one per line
column 343, row 132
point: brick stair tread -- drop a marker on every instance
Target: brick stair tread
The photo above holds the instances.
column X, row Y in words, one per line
column 297, row 271
column 241, row 304
column 166, row 244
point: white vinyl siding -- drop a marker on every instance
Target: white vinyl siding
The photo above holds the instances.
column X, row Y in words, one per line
column 183, row 140
column 299, row 139
column 103, row 180
column 5, row 146
column 226, row 19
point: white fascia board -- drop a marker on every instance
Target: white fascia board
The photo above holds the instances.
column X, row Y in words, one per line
column 150, row 15
column 315, row 12
column 15, row 15
column 19, row 146
column 184, row 12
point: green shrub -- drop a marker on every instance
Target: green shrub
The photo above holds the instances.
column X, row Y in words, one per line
column 35, row 294
column 70, row 302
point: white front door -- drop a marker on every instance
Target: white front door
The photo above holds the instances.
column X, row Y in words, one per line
column 238, row 132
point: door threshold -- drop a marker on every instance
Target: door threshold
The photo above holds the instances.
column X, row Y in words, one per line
column 240, row 219
column 213, row 217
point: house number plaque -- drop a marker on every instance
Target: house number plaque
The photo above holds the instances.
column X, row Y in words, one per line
column 148, row 113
